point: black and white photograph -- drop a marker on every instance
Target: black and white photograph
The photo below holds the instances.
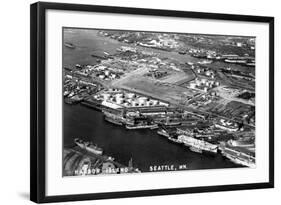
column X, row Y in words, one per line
column 141, row 101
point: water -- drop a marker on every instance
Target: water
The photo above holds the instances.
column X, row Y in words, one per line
column 88, row 41
column 146, row 147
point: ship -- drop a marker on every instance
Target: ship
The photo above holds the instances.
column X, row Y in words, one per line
column 113, row 121
column 95, row 104
column 242, row 161
column 182, row 52
column 238, row 157
column 196, row 149
column 235, row 61
column 100, row 55
column 70, row 101
column 69, row 45
column 73, row 99
column 134, row 127
column 89, row 146
column 251, row 64
column 199, row 146
column 114, row 117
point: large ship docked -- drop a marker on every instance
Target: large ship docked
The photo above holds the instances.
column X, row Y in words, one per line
column 113, row 120
column 69, row 45
column 239, row 157
column 227, row 125
column 114, row 116
column 142, row 126
column 239, row 152
column 197, row 145
column 163, row 132
column 73, row 100
column 89, row 146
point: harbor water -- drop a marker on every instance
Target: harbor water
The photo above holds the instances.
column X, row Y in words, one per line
column 145, row 147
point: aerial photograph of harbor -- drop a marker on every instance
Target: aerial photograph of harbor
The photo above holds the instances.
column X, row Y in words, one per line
column 142, row 101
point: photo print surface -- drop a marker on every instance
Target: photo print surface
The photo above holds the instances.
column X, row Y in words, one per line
column 137, row 101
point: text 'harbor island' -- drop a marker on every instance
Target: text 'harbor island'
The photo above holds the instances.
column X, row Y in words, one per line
column 146, row 101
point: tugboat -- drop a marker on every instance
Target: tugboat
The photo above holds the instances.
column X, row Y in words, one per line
column 89, row 146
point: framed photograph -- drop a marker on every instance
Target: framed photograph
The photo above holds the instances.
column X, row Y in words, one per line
column 129, row 102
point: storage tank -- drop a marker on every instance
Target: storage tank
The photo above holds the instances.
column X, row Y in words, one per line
column 106, row 96
column 135, row 103
column 142, row 100
column 154, row 102
column 119, row 100
column 131, row 95
column 106, row 72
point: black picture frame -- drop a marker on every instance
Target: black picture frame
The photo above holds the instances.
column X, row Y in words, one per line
column 38, row 100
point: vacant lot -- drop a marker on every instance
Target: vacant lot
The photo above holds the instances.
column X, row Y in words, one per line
column 164, row 91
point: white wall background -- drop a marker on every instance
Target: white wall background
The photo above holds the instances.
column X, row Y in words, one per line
column 14, row 100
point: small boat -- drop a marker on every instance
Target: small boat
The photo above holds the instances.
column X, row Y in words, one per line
column 69, row 45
